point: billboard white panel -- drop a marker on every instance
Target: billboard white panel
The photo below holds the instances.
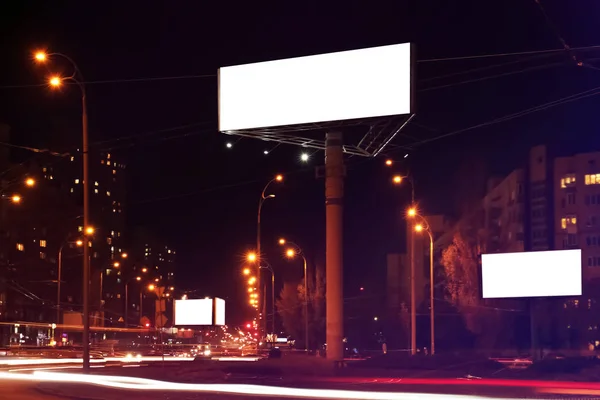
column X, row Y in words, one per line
column 193, row 312
column 531, row 274
column 372, row 82
column 219, row 311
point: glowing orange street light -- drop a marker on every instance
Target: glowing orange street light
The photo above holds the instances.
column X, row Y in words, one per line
column 389, row 162
column 251, row 281
column 124, row 255
column 282, row 241
column 171, row 288
column 15, row 198
column 246, row 271
column 30, row 182
column 397, row 179
column 279, row 178
column 290, row 253
column 251, row 257
column 156, row 280
column 418, row 228
column 116, row 264
column 151, row 287
column 40, row 56
column 138, row 278
column 250, row 290
column 79, row 243
column 55, row 81
column 411, row 212
column 144, row 270
column 89, row 230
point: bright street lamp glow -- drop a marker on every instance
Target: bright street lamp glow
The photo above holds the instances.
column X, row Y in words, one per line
column 290, row 253
column 144, row 269
column 40, row 56
column 411, row 212
column 55, row 81
column 228, row 145
column 151, row 287
column 251, row 281
column 124, row 255
column 266, row 152
column 30, row 182
column 304, row 157
column 16, row 198
column 138, row 278
column 251, row 257
column 418, row 228
column 279, row 178
column 79, row 243
column 89, row 230
column 397, row 179
column 282, row 241
column 389, row 163
column 246, row 271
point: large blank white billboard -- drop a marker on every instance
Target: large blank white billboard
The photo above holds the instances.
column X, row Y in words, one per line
column 219, row 311
column 373, row 82
column 193, row 312
column 531, row 274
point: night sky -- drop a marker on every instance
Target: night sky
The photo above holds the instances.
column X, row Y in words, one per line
column 202, row 198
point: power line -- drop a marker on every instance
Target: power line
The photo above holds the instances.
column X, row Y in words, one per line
column 123, row 80
column 536, row 68
column 150, row 133
column 588, row 93
column 522, row 53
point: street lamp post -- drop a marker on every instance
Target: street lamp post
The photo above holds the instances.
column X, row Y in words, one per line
column 137, row 278
column 263, row 198
column 268, row 266
column 56, row 81
column 59, row 277
column 427, row 228
column 397, row 180
column 291, row 253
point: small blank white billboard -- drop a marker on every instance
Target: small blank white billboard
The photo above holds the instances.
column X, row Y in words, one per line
column 219, row 311
column 193, row 312
column 365, row 83
column 531, row 274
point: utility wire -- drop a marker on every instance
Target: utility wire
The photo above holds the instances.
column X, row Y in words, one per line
column 588, row 93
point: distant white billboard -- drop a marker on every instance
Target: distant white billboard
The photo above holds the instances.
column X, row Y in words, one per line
column 219, row 311
column 372, row 82
column 193, row 312
column 531, row 274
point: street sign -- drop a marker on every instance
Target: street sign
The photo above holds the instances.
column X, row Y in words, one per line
column 160, row 306
column 161, row 320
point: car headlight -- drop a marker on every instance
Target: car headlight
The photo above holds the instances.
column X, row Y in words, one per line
column 206, row 353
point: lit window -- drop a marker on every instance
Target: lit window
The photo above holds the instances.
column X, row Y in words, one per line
column 592, row 179
column 118, row 234
column 77, row 181
column 90, row 243
column 114, row 171
column 114, row 210
column 109, row 240
column 51, row 177
column 107, row 193
column 102, row 162
column 72, row 190
column 112, row 233
column 169, row 251
column 108, row 156
column 72, row 158
column 118, row 295
column 567, row 181
column 42, row 243
column 569, row 220
column 96, row 183
column 80, row 228
column 108, row 271
column 108, row 163
column 44, row 169
column 42, row 255
column 96, row 191
column 20, row 247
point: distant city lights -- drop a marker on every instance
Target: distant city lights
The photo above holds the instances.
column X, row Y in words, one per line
column 229, row 145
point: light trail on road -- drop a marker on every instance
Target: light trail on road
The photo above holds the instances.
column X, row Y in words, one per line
column 141, row 384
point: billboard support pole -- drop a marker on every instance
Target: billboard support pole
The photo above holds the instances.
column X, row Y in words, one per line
column 334, row 195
